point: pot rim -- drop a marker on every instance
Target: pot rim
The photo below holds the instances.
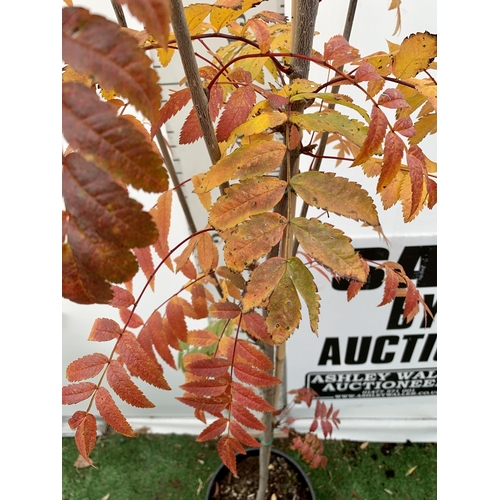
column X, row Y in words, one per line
column 255, row 451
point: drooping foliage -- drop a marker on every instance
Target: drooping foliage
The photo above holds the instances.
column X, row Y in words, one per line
column 252, row 293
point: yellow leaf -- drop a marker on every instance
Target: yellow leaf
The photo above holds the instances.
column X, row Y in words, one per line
column 220, row 15
column 415, row 54
column 425, row 125
column 364, row 445
column 70, row 75
column 411, row 471
column 427, row 88
column 258, row 124
column 195, row 15
column 165, row 55
column 396, row 4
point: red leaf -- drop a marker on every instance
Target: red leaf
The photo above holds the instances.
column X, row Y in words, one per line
column 249, row 399
column 242, row 435
column 86, row 367
column 432, row 190
column 145, row 260
column 191, row 130
column 131, row 319
column 366, row 73
column 404, row 126
column 224, row 310
column 213, row 430
column 176, row 319
column 121, row 298
column 139, row 362
column 95, row 46
column 374, row 138
column 391, row 285
column 236, row 111
column 225, row 448
column 175, row 103
column 206, row 388
column 211, row 367
column 159, row 338
column 119, row 380
column 254, row 376
column 111, row 413
column 393, row 154
column 243, row 416
column 74, row 393
column 104, row 329
column 393, row 99
column 255, row 325
column 155, row 15
column 416, row 167
column 213, row 405
column 339, row 52
column 215, row 101
column 261, row 32
column 86, row 433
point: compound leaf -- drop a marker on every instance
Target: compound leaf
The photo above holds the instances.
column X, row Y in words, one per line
column 96, row 46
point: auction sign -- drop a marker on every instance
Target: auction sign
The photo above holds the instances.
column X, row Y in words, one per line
column 379, row 370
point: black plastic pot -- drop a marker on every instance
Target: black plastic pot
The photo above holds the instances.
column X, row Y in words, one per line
column 223, row 471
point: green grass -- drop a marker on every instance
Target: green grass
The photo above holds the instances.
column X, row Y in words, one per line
column 157, row 467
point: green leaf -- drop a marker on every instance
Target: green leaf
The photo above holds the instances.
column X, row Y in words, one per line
column 95, row 46
column 112, row 142
column 253, row 160
column 253, row 239
column 283, row 311
column 332, row 99
column 330, row 247
column 336, row 194
column 248, row 198
column 334, row 122
column 304, row 282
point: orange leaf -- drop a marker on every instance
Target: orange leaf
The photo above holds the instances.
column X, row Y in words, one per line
column 416, row 167
column 121, row 298
column 261, row 32
column 252, row 160
column 404, row 126
column 254, row 376
column 242, row 415
column 206, row 388
column 199, row 301
column 355, row 286
column 159, row 338
column 201, row 338
column 225, row 448
column 254, row 324
column 366, row 73
column 376, row 133
column 432, row 190
column 191, row 130
column 86, row 433
column 111, row 413
column 215, row 101
column 213, row 405
column 176, row 319
column 208, row 255
column 162, row 215
column 213, row 430
column 86, row 367
column 236, row 111
column 98, row 47
column 209, row 367
column 249, row 399
column 176, row 101
column 104, row 329
column 243, row 200
column 119, row 380
column 391, row 285
column 139, row 362
column 242, row 435
column 253, row 239
column 113, row 142
column 393, row 154
column 145, row 260
column 74, row 393
column 224, row 310
column 131, row 319
column 155, row 15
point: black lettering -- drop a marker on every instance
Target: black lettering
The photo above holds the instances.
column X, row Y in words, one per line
column 396, row 320
column 375, row 277
column 428, row 346
column 411, row 342
column 330, row 352
column 352, row 344
column 379, row 349
column 426, row 274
